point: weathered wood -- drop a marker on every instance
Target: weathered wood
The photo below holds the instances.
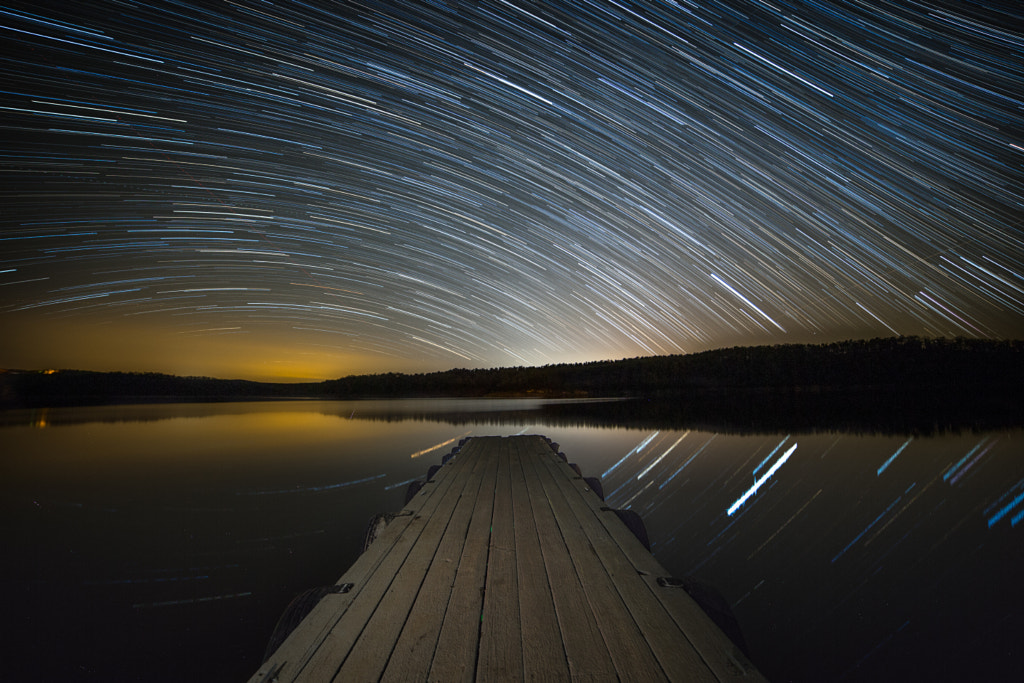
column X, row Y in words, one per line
column 542, row 650
column 455, row 657
column 723, row 657
column 627, row 646
column 295, row 654
column 506, row 567
column 585, row 649
column 373, row 648
column 383, row 589
column 501, row 650
column 411, row 658
column 673, row 652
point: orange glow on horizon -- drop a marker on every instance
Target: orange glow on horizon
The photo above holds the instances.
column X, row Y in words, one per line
column 127, row 347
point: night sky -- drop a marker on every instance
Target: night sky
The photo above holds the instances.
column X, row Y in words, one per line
column 284, row 190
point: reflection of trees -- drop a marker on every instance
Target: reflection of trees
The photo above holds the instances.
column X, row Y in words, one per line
column 736, row 411
column 859, row 412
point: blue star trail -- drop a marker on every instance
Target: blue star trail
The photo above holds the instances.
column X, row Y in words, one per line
column 507, row 183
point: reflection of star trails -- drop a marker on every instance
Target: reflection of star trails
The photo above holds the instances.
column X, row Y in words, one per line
column 642, row 445
column 894, row 456
column 1006, row 509
column 753, row 489
column 440, row 445
column 659, row 458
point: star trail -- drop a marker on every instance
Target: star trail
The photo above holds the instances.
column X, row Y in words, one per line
column 313, row 189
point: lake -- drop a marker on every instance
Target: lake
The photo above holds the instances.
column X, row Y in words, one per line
column 162, row 542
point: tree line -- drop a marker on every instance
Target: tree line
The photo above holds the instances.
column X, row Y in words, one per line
column 900, row 362
column 904, row 364
column 27, row 389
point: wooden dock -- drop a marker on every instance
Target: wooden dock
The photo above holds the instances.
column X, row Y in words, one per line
column 506, row 566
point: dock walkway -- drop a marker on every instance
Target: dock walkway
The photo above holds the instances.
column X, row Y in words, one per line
column 506, row 567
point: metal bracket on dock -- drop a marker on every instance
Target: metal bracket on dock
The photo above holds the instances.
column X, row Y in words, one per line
column 341, row 588
column 271, row 674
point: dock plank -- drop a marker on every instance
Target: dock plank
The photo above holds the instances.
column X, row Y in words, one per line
column 381, row 606
column 304, row 652
column 669, row 646
column 501, row 649
column 585, row 649
column 414, row 651
column 375, row 644
column 721, row 656
column 627, row 646
column 506, row 567
column 455, row 657
column 542, row 650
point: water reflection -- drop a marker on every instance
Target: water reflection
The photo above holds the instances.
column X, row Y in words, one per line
column 843, row 567
column 162, row 542
column 858, row 411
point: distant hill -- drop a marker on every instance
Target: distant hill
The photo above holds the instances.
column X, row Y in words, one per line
column 901, row 364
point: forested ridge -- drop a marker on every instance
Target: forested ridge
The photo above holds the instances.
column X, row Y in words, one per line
column 900, row 363
column 892, row 362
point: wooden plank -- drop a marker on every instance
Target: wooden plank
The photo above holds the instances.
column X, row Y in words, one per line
column 370, row 576
column 372, row 648
column 627, row 646
column 455, row 656
column 294, row 653
column 286, row 662
column 500, row 654
column 414, row 651
column 362, row 642
column 719, row 654
column 542, row 651
column 670, row 647
column 585, row 650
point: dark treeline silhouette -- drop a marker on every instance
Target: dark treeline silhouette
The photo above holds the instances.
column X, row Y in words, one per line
column 901, row 365
column 21, row 389
column 901, row 362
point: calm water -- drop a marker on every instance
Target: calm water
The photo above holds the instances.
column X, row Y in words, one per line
column 161, row 543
